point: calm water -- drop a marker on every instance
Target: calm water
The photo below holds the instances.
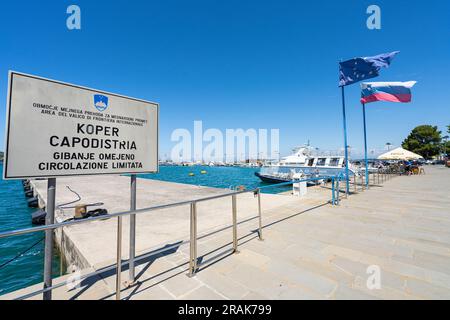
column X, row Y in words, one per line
column 218, row 177
column 14, row 214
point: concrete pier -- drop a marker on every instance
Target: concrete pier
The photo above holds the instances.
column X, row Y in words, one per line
column 311, row 250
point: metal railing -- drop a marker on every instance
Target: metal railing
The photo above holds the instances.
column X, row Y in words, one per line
column 193, row 259
column 377, row 177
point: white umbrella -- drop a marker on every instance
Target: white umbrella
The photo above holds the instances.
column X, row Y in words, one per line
column 400, row 154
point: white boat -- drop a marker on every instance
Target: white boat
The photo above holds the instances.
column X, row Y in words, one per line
column 305, row 161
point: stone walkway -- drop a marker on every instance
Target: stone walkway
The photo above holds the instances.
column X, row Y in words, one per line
column 312, row 250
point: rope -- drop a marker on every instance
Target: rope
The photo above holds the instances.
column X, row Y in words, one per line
column 62, row 206
column 20, row 254
column 65, row 205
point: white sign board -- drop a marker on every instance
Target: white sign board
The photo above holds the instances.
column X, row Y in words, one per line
column 56, row 129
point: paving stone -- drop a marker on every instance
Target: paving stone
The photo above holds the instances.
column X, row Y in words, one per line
column 426, row 290
column 202, row 293
column 224, row 285
column 320, row 253
column 180, row 285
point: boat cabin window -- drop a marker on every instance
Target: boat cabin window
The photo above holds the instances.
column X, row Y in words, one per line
column 310, row 162
column 334, row 162
column 321, row 161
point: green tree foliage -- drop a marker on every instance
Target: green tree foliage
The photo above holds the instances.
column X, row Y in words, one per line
column 424, row 140
column 446, row 142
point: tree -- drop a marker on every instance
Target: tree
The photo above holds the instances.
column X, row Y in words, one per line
column 424, row 140
column 446, row 145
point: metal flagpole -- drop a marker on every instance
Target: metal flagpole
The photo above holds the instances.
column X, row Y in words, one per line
column 347, row 190
column 365, row 146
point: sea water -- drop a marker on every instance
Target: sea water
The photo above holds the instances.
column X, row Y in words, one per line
column 15, row 214
column 216, row 177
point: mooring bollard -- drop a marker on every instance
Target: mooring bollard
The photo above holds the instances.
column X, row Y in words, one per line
column 354, row 183
column 193, row 241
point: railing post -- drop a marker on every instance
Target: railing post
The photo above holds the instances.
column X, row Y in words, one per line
column 193, row 241
column 260, row 215
column 234, row 212
column 367, row 181
column 119, row 257
column 131, row 270
column 347, row 193
column 49, row 219
column 354, row 182
column 338, row 190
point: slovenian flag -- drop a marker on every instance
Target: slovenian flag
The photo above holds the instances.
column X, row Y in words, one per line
column 386, row 91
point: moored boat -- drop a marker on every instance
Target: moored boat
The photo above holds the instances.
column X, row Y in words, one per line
column 304, row 161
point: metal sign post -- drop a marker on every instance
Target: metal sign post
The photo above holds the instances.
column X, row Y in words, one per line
column 114, row 134
column 132, row 229
column 119, row 258
column 49, row 219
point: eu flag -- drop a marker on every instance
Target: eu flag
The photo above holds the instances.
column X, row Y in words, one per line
column 359, row 69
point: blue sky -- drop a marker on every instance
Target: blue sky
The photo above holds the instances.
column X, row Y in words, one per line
column 240, row 64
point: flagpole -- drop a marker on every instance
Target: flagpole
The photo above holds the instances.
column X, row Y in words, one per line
column 347, row 184
column 365, row 146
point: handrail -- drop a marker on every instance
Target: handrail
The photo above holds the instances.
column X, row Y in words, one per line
column 193, row 265
column 17, row 232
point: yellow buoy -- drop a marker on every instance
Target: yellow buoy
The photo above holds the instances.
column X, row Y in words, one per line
column 203, row 172
column 191, row 174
